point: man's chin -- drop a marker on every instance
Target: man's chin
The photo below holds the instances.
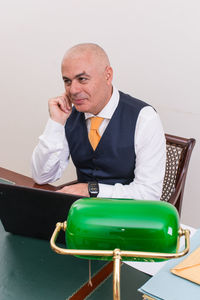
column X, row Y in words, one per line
column 81, row 108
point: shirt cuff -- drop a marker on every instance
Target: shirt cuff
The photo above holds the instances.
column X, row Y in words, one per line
column 105, row 190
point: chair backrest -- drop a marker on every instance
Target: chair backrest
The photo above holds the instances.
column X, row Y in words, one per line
column 179, row 151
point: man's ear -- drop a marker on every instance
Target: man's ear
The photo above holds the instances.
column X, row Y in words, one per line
column 109, row 74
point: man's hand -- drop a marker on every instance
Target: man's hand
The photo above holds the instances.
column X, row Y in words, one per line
column 76, row 189
column 60, row 108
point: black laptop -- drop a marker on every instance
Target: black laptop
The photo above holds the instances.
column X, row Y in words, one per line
column 33, row 212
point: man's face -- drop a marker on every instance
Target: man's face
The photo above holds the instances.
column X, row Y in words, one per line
column 88, row 83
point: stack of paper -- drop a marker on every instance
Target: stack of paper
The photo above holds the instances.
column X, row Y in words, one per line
column 167, row 286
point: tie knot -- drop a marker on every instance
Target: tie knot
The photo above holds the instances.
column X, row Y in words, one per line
column 95, row 123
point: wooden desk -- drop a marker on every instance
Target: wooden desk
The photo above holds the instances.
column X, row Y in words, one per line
column 79, row 266
column 24, row 180
column 31, row 270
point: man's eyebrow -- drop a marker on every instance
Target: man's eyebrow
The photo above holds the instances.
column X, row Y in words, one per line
column 77, row 76
column 82, row 74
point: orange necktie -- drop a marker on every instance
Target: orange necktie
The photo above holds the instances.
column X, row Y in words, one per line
column 94, row 135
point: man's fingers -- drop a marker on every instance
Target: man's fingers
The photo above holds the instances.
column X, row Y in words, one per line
column 62, row 104
column 60, row 109
column 67, row 101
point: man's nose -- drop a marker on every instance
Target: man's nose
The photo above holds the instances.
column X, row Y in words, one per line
column 74, row 88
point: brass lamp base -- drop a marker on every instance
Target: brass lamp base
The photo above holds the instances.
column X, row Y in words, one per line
column 117, row 254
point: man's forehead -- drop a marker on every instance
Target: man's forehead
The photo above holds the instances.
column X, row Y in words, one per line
column 78, row 65
column 77, row 69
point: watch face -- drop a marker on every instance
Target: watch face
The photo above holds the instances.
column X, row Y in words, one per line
column 93, row 188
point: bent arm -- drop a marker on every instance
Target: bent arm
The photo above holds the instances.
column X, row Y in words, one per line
column 150, row 149
column 51, row 155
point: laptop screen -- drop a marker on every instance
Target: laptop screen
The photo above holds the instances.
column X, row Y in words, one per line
column 33, row 212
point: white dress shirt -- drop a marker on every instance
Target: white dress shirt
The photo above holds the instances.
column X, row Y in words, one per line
column 51, row 155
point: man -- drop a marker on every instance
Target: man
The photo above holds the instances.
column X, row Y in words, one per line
column 128, row 161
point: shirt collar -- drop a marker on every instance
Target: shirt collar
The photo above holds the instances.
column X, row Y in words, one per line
column 110, row 107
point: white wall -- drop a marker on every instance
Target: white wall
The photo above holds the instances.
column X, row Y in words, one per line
column 154, row 48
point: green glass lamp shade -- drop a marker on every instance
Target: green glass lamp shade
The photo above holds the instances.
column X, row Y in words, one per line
column 133, row 225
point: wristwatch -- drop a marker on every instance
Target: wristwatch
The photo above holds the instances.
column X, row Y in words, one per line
column 93, row 188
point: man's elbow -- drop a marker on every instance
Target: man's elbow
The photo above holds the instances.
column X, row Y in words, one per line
column 39, row 179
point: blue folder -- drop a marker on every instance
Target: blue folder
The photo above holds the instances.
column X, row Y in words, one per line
column 167, row 286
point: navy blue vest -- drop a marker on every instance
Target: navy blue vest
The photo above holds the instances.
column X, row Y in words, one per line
column 113, row 161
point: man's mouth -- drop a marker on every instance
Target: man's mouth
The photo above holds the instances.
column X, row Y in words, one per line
column 78, row 100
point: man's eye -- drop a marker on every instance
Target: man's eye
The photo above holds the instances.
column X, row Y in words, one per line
column 67, row 82
column 82, row 79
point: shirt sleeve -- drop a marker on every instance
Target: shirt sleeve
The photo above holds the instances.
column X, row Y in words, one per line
column 51, row 155
column 150, row 149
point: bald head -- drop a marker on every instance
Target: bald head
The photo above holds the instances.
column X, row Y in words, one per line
column 87, row 76
column 92, row 51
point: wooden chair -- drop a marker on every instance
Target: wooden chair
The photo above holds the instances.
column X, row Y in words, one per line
column 179, row 151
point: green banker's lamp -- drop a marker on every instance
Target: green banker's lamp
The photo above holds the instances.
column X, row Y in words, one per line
column 121, row 229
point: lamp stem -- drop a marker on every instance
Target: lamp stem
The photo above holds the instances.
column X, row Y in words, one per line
column 116, row 274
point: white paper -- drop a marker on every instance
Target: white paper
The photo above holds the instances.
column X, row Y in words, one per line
column 152, row 268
